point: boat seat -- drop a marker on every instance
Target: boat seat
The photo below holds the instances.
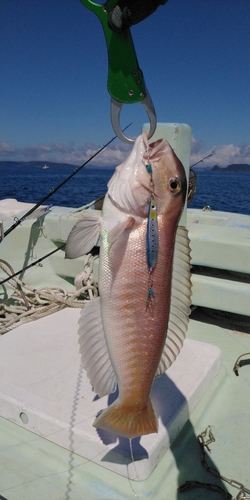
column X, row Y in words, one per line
column 220, row 259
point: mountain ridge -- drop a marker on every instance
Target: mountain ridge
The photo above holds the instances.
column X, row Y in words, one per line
column 234, row 167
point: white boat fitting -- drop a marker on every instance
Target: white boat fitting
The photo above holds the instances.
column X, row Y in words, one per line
column 48, row 447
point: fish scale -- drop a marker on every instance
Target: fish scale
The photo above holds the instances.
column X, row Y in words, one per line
column 129, row 341
column 134, row 343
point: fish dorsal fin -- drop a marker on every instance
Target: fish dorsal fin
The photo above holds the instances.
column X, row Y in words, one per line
column 84, row 235
column 93, row 349
column 180, row 301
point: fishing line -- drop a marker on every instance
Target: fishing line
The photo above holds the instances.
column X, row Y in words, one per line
column 133, row 460
column 53, row 190
column 33, row 264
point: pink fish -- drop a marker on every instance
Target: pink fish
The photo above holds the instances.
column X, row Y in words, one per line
column 136, row 328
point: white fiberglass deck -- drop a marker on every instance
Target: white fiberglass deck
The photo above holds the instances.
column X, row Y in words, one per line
column 33, row 467
column 44, row 389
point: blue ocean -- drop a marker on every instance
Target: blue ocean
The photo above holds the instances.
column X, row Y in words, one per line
column 225, row 191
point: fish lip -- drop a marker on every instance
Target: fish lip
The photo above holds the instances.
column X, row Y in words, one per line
column 153, row 144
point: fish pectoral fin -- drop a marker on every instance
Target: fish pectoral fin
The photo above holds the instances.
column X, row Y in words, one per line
column 93, row 349
column 84, row 235
column 180, row 301
column 114, row 233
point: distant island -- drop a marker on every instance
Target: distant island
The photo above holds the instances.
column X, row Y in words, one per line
column 47, row 164
column 34, row 163
column 235, row 167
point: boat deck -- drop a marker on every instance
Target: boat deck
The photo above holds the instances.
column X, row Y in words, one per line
column 34, row 467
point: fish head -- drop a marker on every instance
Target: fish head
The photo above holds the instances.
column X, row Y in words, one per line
column 129, row 189
column 169, row 178
column 131, row 186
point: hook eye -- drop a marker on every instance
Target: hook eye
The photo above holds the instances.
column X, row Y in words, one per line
column 116, row 107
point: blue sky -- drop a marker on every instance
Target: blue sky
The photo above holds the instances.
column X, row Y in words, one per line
column 194, row 54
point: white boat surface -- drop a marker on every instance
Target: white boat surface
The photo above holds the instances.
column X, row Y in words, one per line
column 48, row 447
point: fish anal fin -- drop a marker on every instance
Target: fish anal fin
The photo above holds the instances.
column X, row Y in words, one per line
column 84, row 235
column 128, row 421
column 93, row 349
column 180, row 301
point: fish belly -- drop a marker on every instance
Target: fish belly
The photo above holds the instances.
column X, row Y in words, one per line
column 135, row 335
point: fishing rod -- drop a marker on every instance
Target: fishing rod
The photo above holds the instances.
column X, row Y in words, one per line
column 53, row 190
column 200, row 161
column 38, row 204
column 192, row 179
column 33, row 264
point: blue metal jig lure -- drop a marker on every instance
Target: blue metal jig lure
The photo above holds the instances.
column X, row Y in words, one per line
column 152, row 235
column 152, row 242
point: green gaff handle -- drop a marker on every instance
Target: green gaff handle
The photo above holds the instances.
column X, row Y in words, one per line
column 125, row 79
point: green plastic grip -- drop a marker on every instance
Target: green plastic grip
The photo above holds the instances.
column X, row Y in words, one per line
column 125, row 79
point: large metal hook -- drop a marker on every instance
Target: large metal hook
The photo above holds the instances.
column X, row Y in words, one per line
column 116, row 107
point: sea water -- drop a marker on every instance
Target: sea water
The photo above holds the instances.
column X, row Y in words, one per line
column 224, row 191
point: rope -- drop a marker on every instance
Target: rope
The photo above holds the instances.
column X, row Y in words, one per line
column 28, row 304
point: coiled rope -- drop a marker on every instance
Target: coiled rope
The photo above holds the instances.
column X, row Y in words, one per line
column 28, row 304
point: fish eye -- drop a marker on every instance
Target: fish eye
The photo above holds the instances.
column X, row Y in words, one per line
column 174, row 185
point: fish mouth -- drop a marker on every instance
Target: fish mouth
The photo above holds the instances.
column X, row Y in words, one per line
column 155, row 143
column 155, row 150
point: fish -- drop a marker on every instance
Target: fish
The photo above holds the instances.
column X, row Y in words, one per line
column 124, row 342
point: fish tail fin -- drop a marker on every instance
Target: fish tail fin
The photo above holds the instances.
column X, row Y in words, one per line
column 127, row 421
